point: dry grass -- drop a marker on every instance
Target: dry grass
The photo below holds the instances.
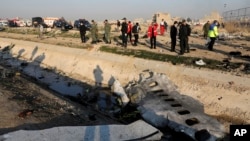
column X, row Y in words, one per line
column 230, row 27
column 234, row 27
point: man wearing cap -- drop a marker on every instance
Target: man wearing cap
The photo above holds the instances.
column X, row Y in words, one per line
column 212, row 34
column 124, row 30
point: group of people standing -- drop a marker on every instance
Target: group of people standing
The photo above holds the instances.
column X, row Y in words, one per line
column 178, row 29
column 183, row 30
column 94, row 32
column 183, row 33
column 127, row 29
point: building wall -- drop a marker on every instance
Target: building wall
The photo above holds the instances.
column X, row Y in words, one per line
column 159, row 16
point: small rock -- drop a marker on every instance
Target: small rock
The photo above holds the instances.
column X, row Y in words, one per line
column 219, row 98
column 25, row 113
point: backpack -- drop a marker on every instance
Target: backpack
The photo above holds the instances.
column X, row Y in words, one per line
column 134, row 29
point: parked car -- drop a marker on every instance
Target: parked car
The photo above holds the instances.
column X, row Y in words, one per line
column 28, row 23
column 85, row 22
column 50, row 20
column 22, row 23
column 62, row 24
column 16, row 22
column 1, row 27
column 13, row 23
column 36, row 21
column 4, row 23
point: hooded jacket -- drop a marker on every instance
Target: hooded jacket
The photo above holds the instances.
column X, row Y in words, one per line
column 213, row 31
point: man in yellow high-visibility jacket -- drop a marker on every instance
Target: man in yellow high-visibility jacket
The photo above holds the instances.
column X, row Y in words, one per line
column 212, row 34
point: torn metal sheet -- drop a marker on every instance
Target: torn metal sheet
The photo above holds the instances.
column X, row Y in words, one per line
column 161, row 105
column 138, row 130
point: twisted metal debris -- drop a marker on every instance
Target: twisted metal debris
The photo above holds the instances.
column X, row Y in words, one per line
column 160, row 104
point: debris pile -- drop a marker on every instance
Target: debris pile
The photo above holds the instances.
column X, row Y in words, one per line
column 161, row 105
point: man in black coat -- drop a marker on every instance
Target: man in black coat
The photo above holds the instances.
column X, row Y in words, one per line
column 124, row 30
column 173, row 34
column 184, row 32
column 83, row 30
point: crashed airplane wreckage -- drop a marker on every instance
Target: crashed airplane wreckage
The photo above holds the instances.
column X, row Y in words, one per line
column 161, row 105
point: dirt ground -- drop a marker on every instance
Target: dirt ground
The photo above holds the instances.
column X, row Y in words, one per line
column 226, row 98
column 26, row 105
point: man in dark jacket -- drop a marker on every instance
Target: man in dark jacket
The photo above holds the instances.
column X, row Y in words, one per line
column 118, row 24
column 184, row 32
column 83, row 30
column 173, row 34
column 124, row 30
column 136, row 28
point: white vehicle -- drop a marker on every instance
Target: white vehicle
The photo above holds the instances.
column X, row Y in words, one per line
column 21, row 23
column 28, row 23
column 50, row 21
column 1, row 27
column 4, row 23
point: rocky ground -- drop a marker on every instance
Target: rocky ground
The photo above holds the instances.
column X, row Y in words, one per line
column 225, row 94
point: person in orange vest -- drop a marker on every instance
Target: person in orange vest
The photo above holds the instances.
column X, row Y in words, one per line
column 129, row 32
column 152, row 33
column 162, row 27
